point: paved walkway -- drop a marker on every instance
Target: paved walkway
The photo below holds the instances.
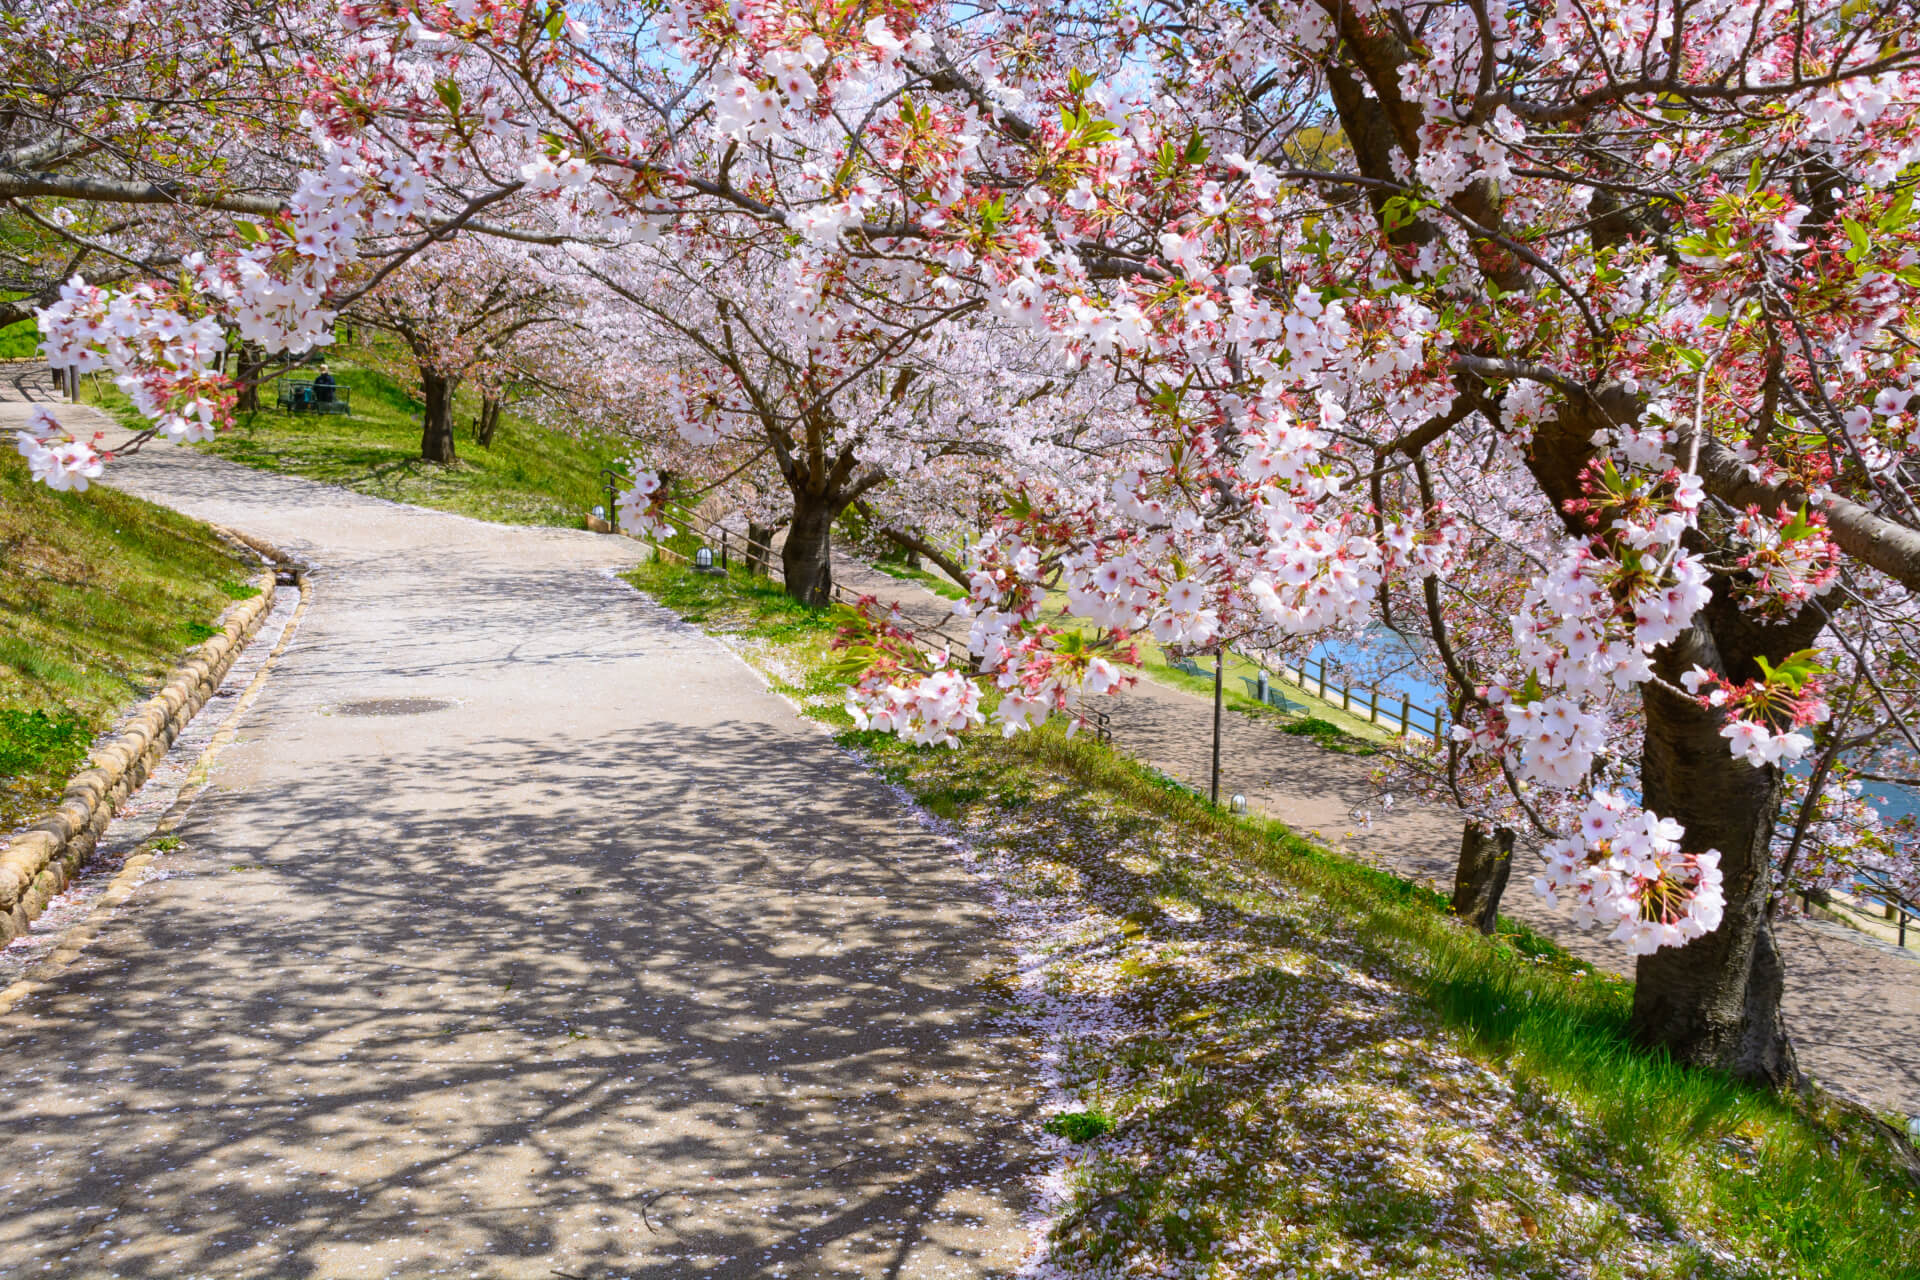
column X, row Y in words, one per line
column 521, row 933
column 1853, row 1003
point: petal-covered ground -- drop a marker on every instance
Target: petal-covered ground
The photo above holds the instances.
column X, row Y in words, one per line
column 1262, row 1061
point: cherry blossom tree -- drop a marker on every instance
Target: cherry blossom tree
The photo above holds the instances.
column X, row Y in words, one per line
column 1641, row 281
column 840, row 405
column 458, row 308
column 1572, row 338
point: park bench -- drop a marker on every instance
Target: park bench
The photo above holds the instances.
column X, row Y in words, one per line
column 299, row 395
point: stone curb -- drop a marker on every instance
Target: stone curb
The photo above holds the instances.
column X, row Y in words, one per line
column 42, row 860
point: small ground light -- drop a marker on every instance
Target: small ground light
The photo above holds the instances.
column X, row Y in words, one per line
column 1238, row 804
column 703, row 561
column 599, row 513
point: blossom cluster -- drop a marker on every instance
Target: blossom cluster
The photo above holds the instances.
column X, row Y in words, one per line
column 1625, row 868
column 933, row 709
column 642, row 505
column 54, row 459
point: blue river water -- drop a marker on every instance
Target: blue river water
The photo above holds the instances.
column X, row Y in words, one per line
column 1385, row 659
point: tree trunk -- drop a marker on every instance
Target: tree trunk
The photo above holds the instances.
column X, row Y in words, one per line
column 759, row 547
column 1486, row 860
column 436, row 424
column 487, row 423
column 807, row 556
column 247, row 377
column 1715, row 1002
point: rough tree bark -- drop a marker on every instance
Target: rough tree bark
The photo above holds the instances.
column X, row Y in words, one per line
column 252, row 359
column 759, row 547
column 806, row 558
column 1486, row 860
column 1716, row 1001
column 436, row 423
column 487, row 422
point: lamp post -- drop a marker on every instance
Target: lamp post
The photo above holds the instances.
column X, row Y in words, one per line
column 1217, row 698
column 611, row 477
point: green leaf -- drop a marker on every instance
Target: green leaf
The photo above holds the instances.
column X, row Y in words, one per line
column 251, row 232
column 1197, row 150
column 449, row 94
column 1858, row 242
column 1794, row 670
column 1078, row 82
column 1897, row 214
column 1798, row 527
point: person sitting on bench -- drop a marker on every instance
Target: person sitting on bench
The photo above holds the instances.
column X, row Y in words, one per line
column 323, row 386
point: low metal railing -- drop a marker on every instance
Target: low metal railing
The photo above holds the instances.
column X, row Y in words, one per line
column 1877, row 888
column 1361, row 702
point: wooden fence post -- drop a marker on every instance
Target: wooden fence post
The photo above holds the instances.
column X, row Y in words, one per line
column 1404, row 700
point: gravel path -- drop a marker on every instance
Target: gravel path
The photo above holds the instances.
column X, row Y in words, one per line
column 1853, row 1003
column 521, row 932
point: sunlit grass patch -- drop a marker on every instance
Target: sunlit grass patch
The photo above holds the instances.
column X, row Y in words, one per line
column 731, row 602
column 529, row 476
column 939, row 584
column 100, row 594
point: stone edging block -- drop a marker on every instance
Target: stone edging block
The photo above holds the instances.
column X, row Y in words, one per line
column 42, row 860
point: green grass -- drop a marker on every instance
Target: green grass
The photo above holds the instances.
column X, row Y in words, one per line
column 20, row 341
column 529, row 475
column 1290, row 1011
column 938, row 583
column 1806, row 1184
column 734, row 601
column 100, row 595
column 1079, row 1126
column 1347, row 733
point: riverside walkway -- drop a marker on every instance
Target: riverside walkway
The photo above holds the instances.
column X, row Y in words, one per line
column 520, row 933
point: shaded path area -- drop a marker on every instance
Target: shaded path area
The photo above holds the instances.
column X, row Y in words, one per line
column 519, row 933
column 1853, row 1003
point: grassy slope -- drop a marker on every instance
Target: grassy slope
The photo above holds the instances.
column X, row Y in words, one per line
column 20, row 341
column 100, row 594
column 529, row 476
column 1484, row 1114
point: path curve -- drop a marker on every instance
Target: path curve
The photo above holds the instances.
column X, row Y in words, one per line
column 609, row 966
